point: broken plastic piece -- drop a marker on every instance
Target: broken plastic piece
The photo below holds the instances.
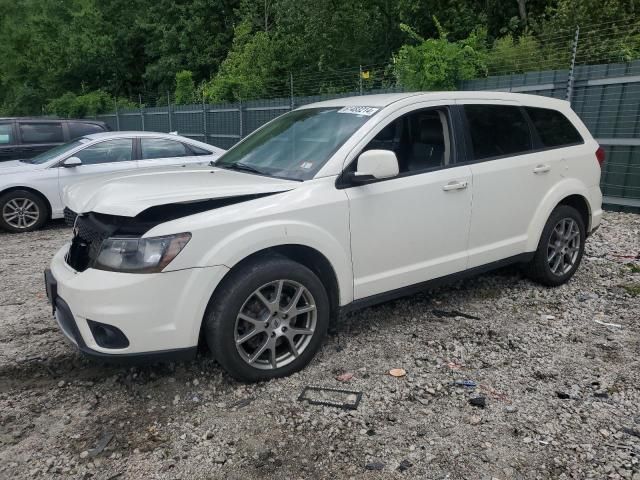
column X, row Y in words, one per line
column 331, row 397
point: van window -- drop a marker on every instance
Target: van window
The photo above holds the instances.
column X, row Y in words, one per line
column 497, row 130
column 41, row 132
column 419, row 139
column 554, row 129
column 80, row 129
column 6, row 133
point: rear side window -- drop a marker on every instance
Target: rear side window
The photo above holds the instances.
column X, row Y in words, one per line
column 80, row 129
column 497, row 130
column 554, row 129
column 162, row 148
column 6, row 133
column 41, row 132
column 199, row 151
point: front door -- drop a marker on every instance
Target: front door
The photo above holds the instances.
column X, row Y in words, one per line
column 104, row 157
column 413, row 227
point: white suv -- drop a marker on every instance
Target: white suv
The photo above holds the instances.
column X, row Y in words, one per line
column 331, row 207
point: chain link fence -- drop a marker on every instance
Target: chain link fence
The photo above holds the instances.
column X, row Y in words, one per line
column 585, row 66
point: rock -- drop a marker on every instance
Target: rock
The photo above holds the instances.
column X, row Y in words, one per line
column 479, row 402
column 475, row 420
column 374, row 466
column 563, row 395
column 84, row 454
column 510, row 409
column 405, row 465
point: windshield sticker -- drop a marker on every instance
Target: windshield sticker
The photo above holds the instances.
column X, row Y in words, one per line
column 367, row 111
column 306, row 165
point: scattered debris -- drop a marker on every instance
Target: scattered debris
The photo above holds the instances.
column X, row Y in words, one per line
column 606, row 324
column 465, row 383
column 455, row 365
column 242, row 402
column 331, row 397
column 601, row 395
column 397, row 372
column 344, row 377
column 563, row 395
column 453, row 314
column 479, row 402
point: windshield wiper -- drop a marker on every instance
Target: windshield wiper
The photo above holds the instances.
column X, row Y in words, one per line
column 242, row 167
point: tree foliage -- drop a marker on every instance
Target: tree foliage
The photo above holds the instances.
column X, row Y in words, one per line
column 185, row 88
column 56, row 52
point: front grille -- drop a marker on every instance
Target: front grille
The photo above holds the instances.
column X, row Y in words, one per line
column 69, row 216
column 86, row 243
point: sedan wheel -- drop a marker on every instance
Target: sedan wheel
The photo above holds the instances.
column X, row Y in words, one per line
column 21, row 213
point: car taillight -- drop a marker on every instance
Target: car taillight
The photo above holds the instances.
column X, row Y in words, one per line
column 600, row 155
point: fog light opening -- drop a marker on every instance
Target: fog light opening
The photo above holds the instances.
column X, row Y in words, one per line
column 108, row 336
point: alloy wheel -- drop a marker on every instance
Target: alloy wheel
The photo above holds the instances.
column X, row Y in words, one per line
column 275, row 324
column 21, row 213
column 564, row 246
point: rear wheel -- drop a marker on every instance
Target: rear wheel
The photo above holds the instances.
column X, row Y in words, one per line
column 22, row 211
column 267, row 319
column 560, row 249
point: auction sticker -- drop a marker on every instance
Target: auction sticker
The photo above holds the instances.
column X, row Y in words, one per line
column 368, row 111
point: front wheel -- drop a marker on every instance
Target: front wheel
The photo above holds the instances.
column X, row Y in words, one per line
column 267, row 319
column 22, row 211
column 560, row 249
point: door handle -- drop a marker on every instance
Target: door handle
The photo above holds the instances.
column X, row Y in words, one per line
column 455, row 186
column 542, row 169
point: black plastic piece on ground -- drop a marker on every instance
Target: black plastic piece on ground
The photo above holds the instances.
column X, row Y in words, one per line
column 479, row 402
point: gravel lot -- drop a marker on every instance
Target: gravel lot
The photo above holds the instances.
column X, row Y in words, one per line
column 562, row 390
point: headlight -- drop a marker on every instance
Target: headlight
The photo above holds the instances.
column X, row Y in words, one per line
column 139, row 255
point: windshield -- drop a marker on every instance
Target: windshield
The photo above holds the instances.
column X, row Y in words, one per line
column 55, row 151
column 296, row 145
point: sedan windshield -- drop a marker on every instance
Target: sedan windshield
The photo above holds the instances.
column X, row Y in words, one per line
column 44, row 157
column 296, row 145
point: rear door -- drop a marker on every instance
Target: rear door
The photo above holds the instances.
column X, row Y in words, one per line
column 511, row 176
column 39, row 136
column 8, row 141
column 156, row 152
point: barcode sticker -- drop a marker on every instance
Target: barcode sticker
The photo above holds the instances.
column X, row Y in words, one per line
column 367, row 111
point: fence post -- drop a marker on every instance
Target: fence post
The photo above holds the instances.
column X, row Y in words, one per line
column 292, row 104
column 572, row 68
column 169, row 111
column 117, row 113
column 360, row 79
column 141, row 110
column 204, row 120
column 240, row 117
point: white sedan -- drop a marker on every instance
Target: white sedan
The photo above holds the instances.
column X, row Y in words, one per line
column 31, row 190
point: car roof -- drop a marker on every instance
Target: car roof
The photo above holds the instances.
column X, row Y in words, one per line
column 386, row 99
column 133, row 133
column 54, row 119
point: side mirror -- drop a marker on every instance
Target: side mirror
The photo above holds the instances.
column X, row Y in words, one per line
column 72, row 162
column 375, row 165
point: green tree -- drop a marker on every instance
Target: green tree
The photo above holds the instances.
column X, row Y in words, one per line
column 185, row 92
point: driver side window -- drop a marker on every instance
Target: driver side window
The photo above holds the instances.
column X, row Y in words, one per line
column 117, row 150
column 420, row 140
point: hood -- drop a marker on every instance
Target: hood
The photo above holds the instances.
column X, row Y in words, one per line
column 129, row 194
column 16, row 166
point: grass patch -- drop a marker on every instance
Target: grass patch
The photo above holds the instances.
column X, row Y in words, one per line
column 635, row 268
column 632, row 289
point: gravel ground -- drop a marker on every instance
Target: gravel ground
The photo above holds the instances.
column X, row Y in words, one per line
column 561, row 389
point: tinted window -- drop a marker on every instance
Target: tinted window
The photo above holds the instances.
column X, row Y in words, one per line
column 419, row 140
column 118, row 150
column 6, row 133
column 162, row 148
column 41, row 132
column 497, row 130
column 554, row 129
column 79, row 129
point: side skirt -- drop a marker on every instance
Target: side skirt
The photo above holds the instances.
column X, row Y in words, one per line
column 433, row 283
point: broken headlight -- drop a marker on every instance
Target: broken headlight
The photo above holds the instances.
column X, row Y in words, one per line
column 139, row 255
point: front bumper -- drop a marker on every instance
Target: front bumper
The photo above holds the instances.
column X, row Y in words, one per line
column 160, row 313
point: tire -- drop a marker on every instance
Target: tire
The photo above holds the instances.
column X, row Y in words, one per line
column 22, row 211
column 236, row 312
column 553, row 240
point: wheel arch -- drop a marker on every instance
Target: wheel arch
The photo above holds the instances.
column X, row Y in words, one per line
column 35, row 192
column 571, row 193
